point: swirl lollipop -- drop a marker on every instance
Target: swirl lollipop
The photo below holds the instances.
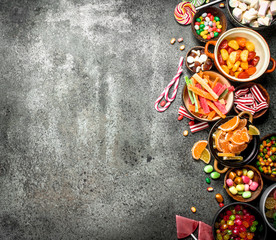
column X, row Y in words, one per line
column 196, row 3
column 184, row 13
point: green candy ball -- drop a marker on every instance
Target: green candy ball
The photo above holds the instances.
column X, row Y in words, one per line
column 198, row 20
column 216, row 19
column 216, row 34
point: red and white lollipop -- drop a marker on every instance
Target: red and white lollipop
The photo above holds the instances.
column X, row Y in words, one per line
column 184, row 13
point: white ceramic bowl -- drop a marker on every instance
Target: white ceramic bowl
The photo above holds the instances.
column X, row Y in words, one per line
column 261, row 49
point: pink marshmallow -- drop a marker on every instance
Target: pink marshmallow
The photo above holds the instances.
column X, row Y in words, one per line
column 253, row 187
column 245, row 179
column 250, row 182
column 246, row 187
column 229, row 182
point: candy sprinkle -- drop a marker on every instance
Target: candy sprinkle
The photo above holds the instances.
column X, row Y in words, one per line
column 193, row 209
column 185, row 133
column 172, row 41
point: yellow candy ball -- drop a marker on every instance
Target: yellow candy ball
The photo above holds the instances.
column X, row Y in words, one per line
column 202, row 23
column 205, row 37
column 201, row 17
column 218, row 23
column 219, row 26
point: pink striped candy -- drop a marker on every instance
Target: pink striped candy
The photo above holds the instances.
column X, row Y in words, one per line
column 198, row 126
column 257, row 94
column 182, row 111
column 243, row 107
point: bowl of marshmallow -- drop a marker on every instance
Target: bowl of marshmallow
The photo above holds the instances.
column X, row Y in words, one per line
column 255, row 14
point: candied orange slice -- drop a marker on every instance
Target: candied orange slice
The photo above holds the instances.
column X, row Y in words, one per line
column 198, row 148
column 242, row 123
column 224, row 145
column 240, row 136
column 229, row 135
column 234, row 148
column 219, row 137
column 230, row 125
column 270, row 203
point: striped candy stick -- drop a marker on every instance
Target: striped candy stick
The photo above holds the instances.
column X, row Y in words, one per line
column 196, row 127
column 257, row 94
column 243, row 107
column 165, row 93
column 241, row 92
column 182, row 111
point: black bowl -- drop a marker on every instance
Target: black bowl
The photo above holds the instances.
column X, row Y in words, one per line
column 239, row 24
column 254, row 211
column 249, row 154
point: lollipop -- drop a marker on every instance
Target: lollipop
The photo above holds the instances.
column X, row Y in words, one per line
column 196, row 3
column 184, row 13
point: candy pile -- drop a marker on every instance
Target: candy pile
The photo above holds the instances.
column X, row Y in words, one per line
column 242, row 182
column 207, row 96
column 208, row 26
column 198, row 61
column 236, row 223
column 237, row 57
column 267, row 157
column 184, row 13
column 251, row 100
column 254, row 12
column 270, row 208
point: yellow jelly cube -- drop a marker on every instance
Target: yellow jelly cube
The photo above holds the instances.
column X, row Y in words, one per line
column 224, row 54
column 244, row 55
column 236, row 66
column 205, row 37
column 232, row 57
column 244, row 65
column 233, row 44
column 219, row 26
column 250, row 46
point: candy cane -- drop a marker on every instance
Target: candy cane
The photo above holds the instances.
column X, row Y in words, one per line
column 198, row 126
column 165, row 93
column 241, row 92
column 182, row 111
column 257, row 94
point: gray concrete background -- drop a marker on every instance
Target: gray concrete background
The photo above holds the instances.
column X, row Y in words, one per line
column 84, row 154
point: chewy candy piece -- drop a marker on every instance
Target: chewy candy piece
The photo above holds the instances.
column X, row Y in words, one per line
column 215, row 109
column 211, row 115
column 205, row 85
column 198, row 126
column 237, row 13
column 185, row 226
column 223, row 94
column 241, row 92
column 221, row 107
column 261, row 106
column 200, row 92
column 203, row 102
column 231, row 89
column 273, row 8
column 257, row 94
column 243, row 107
column 184, row 13
column 245, row 100
column 183, row 112
column 217, row 87
column 192, row 109
column 188, row 82
column 263, row 8
column 221, row 90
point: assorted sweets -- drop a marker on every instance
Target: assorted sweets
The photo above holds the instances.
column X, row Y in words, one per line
column 250, row 99
column 242, row 182
column 237, row 57
column 254, row 13
column 237, row 223
column 266, row 159
column 233, row 137
column 198, row 61
column 207, row 96
column 270, row 208
column 208, row 26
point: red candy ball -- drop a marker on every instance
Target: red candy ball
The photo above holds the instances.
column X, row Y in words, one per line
column 221, row 205
column 180, row 117
column 163, row 103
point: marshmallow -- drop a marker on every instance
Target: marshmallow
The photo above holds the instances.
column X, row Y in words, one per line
column 254, row 24
column 243, row 6
column 250, row 15
column 263, row 8
column 233, row 3
column 264, row 21
column 237, row 13
column 254, row 4
column 273, row 7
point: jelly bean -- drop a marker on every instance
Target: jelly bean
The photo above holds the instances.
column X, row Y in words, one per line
column 250, row 182
column 216, row 18
column 209, row 14
column 221, row 205
column 246, row 187
column 214, row 29
column 206, row 28
column 216, row 34
column 205, row 37
column 201, row 22
column 232, row 175
column 233, row 190
column 239, row 172
column 210, row 189
column 198, row 32
column 202, row 26
column 214, row 24
column 226, row 237
column 232, row 217
column 219, row 198
column 211, row 34
column 255, row 223
column 196, row 27
column 180, row 117
column 253, row 187
column 246, row 194
column 210, row 23
column 198, row 20
column 219, row 30
column 206, row 23
column 208, row 168
column 201, row 18
column 215, row 175
column 207, row 19
column 238, row 222
column 218, row 23
column 193, row 209
column 253, row 228
column 185, row 133
column 197, row 23
column 230, row 222
column 250, row 174
column 208, row 180
column 211, row 18
column 229, row 182
column 238, row 180
column 210, row 30
column 204, row 15
column 219, row 236
column 163, row 103
column 229, row 232
column 245, row 179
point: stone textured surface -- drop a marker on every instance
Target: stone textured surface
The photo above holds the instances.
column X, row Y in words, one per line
column 84, row 154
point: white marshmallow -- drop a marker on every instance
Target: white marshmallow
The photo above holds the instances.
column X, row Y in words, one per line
column 254, row 24
column 237, row 13
column 203, row 58
column 243, row 6
column 250, row 15
column 263, row 8
column 273, row 7
column 254, row 4
column 264, row 21
column 233, row 3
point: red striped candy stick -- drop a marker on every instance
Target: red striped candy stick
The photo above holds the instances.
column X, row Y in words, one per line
column 244, row 100
column 243, row 107
column 261, row 106
column 183, row 112
column 196, row 127
column 257, row 94
column 241, row 92
column 165, row 93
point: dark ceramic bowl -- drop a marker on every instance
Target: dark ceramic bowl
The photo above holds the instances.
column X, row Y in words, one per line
column 249, row 154
column 215, row 12
column 239, row 24
column 259, row 235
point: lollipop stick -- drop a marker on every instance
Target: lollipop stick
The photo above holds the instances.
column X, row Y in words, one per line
column 209, row 4
column 193, row 237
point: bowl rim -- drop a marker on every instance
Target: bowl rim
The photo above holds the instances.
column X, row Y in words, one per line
column 236, row 203
column 201, row 119
column 262, row 112
column 262, row 203
column 229, row 8
column 222, row 37
column 260, row 179
column 235, row 165
column 202, row 10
